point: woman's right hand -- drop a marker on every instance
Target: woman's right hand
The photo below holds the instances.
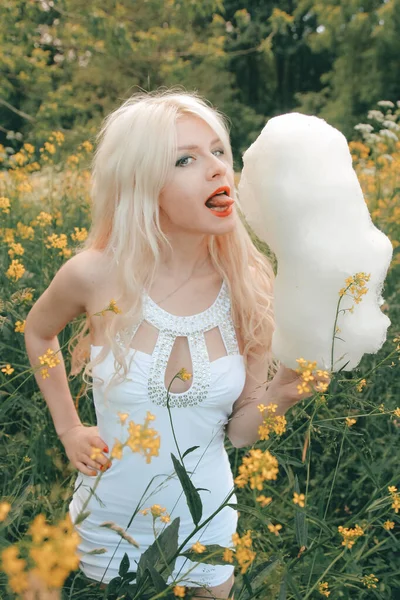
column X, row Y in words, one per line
column 85, row 449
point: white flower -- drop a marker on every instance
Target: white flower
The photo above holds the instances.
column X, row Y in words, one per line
column 364, row 127
column 386, row 103
column 389, row 134
column 391, row 125
column 375, row 114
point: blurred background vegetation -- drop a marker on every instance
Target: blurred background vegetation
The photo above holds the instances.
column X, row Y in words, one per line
column 64, row 64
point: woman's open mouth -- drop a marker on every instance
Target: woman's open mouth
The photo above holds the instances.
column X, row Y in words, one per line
column 220, row 203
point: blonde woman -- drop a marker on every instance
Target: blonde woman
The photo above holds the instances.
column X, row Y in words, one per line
column 168, row 245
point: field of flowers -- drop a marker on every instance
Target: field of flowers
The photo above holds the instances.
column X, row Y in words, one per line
column 317, row 495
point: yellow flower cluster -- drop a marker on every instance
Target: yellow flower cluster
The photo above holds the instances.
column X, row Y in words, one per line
column 388, row 525
column 323, row 589
column 396, row 412
column 306, row 371
column 20, row 326
column 271, row 423
column 275, row 529
column 5, row 508
column 7, row 369
column 142, row 439
column 183, row 374
column 356, row 286
column 80, row 234
column 264, row 500
column 350, row 422
column 350, row 535
column 5, row 205
column 16, row 249
column 16, row 270
column 179, row 591
column 395, row 498
column 42, row 220
column 112, row 307
column 199, row 548
column 59, row 241
column 361, row 385
column 299, row 499
column 53, row 551
column 50, row 359
column 370, row 581
column 243, row 550
column 157, row 513
column 26, row 232
column 256, row 468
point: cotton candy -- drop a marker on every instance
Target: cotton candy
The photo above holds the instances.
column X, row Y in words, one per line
column 300, row 195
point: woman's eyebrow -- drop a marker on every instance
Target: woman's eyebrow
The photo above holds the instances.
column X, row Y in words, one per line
column 194, row 147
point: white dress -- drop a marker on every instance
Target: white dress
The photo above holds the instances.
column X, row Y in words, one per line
column 199, row 416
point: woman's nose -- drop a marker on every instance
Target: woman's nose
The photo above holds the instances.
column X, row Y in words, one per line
column 216, row 167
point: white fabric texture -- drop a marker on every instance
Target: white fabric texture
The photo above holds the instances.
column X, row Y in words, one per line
column 199, row 416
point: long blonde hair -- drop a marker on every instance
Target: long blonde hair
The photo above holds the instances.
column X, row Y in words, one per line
column 136, row 147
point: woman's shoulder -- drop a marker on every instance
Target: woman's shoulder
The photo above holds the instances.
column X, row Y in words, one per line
column 89, row 270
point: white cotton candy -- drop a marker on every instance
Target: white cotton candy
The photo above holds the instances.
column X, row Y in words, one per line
column 300, row 195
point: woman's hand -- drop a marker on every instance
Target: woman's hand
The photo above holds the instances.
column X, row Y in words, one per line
column 284, row 386
column 84, row 448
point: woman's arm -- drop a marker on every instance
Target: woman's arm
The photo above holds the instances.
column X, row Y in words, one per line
column 66, row 298
column 246, row 418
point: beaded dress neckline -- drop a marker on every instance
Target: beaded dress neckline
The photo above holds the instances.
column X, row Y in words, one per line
column 193, row 327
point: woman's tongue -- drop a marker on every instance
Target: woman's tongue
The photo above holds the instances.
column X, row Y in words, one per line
column 219, row 202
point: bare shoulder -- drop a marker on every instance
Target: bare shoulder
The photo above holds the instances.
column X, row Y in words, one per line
column 69, row 294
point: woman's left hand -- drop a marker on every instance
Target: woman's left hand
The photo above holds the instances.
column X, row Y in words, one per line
column 285, row 382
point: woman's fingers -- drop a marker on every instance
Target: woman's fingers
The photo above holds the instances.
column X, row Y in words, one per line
column 97, row 442
column 85, row 470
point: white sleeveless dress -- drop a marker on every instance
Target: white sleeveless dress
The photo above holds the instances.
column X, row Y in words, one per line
column 199, row 416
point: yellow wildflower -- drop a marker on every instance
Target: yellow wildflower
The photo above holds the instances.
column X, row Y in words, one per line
column 271, row 423
column 228, row 555
column 42, row 219
column 350, row 535
column 396, row 412
column 8, row 370
column 5, row 508
column 199, row 548
column 8, row 235
column 16, row 249
column 44, row 373
column 361, row 385
column 350, row 422
column 256, row 468
column 370, row 581
column 143, row 439
column 49, row 358
column 392, row 489
column 112, row 307
column 275, row 528
column 388, row 525
column 356, row 286
column 165, row 519
column 123, row 417
column 179, row 591
column 144, row 512
column 80, row 234
column 20, row 326
column 323, row 588
column 299, row 499
column 243, row 552
column 396, row 503
column 264, row 500
column 14, row 567
column 29, row 148
column 183, row 375
column 87, row 146
column 306, row 371
column 96, row 452
column 25, row 231
column 5, row 205
column 117, row 449
column 16, row 270
column 58, row 136
column 157, row 510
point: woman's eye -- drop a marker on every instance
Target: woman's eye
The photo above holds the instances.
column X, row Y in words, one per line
column 184, row 161
column 219, row 152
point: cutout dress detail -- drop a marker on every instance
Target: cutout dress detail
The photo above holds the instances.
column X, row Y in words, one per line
column 199, row 416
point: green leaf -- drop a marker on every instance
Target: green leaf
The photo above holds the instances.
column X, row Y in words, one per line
column 293, row 587
column 300, row 522
column 205, row 557
column 158, row 581
column 160, row 554
column 284, row 459
column 124, row 565
column 192, row 495
column 282, row 591
column 189, row 450
column 259, row 573
column 82, row 517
